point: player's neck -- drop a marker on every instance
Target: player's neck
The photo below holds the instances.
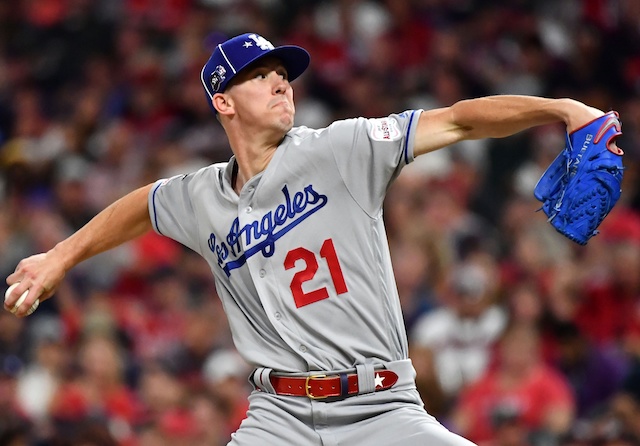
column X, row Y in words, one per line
column 253, row 148
column 251, row 162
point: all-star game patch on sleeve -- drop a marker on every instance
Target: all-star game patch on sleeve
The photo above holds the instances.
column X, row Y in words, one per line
column 171, row 210
column 370, row 153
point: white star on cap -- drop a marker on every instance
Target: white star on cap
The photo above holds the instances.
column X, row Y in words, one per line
column 247, row 44
column 379, row 380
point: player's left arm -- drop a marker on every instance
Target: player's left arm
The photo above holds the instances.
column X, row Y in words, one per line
column 496, row 117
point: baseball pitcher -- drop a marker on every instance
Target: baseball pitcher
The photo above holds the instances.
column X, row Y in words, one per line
column 292, row 229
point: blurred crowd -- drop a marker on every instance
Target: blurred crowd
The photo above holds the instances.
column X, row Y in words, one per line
column 519, row 336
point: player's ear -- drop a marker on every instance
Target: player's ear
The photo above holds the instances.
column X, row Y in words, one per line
column 222, row 103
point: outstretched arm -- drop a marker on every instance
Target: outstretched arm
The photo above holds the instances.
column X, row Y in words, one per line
column 124, row 220
column 496, row 117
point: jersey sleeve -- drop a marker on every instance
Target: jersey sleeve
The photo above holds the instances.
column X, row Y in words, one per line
column 371, row 152
column 171, row 210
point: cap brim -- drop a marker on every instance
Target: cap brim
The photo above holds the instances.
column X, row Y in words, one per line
column 294, row 58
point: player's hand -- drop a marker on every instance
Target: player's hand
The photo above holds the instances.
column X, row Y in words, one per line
column 40, row 274
column 582, row 114
column 579, row 114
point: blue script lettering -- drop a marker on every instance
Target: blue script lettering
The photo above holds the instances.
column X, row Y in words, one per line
column 261, row 235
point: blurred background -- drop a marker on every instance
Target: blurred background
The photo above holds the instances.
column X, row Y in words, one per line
column 519, row 336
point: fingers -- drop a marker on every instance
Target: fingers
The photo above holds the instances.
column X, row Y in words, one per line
column 14, row 293
column 613, row 148
column 35, row 275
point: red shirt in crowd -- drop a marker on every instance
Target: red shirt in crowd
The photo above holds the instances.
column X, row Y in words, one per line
column 542, row 390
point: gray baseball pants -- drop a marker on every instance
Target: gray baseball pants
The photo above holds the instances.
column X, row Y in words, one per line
column 386, row 418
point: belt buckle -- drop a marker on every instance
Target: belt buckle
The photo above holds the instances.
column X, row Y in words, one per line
column 307, row 387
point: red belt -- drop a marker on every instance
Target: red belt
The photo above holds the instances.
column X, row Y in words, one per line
column 323, row 386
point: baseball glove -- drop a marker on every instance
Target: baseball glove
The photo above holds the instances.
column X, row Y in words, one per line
column 582, row 184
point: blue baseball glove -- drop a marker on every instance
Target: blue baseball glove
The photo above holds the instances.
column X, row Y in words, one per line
column 582, row 184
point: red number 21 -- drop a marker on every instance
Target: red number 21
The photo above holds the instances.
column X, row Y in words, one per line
column 327, row 252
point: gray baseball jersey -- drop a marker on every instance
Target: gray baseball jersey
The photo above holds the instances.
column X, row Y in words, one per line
column 300, row 257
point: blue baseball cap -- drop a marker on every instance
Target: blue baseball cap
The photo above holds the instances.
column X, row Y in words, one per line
column 233, row 55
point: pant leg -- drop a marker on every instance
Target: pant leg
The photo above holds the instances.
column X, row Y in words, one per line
column 406, row 426
column 387, row 419
column 274, row 420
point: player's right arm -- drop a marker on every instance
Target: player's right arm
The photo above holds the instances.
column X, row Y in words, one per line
column 124, row 220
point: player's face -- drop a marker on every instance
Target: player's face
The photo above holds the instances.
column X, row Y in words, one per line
column 261, row 94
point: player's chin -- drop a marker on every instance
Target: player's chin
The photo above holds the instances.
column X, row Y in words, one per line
column 286, row 121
